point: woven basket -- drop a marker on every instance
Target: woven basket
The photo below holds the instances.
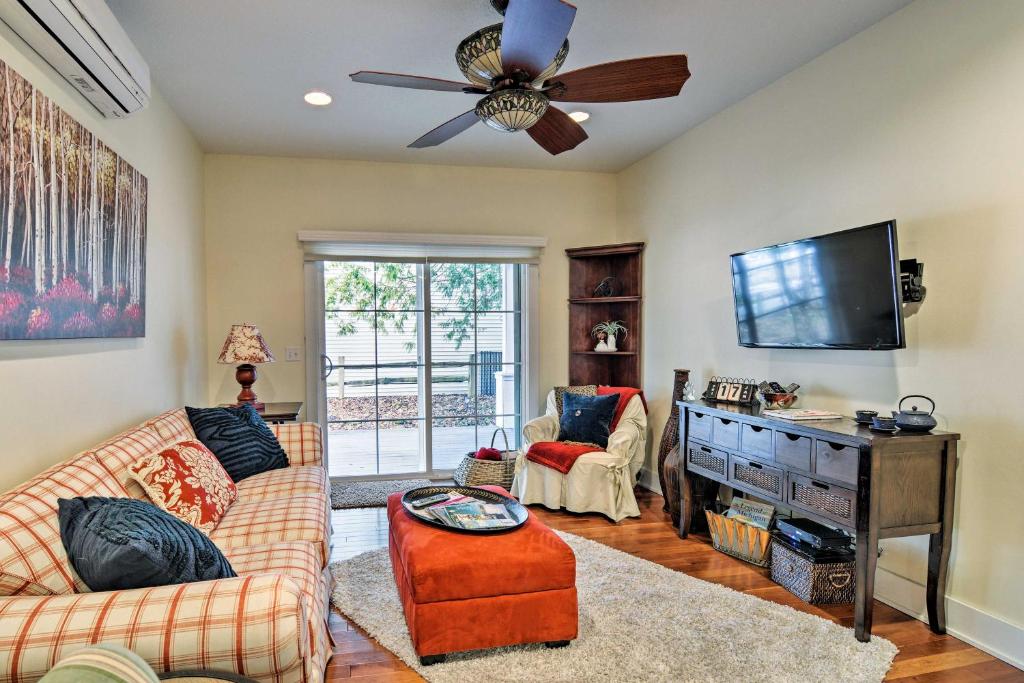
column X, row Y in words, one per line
column 474, row 472
column 744, row 541
column 819, row 583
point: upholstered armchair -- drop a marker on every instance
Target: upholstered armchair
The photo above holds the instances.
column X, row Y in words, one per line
column 600, row 481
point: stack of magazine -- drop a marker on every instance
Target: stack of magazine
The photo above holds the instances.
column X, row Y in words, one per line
column 463, row 512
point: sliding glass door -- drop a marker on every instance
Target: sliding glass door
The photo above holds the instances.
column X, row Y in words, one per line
column 402, row 397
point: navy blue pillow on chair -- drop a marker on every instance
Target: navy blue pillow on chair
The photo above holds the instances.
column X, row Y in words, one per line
column 123, row 543
column 587, row 419
column 241, row 440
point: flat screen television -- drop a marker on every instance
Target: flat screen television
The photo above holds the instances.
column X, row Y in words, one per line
column 835, row 291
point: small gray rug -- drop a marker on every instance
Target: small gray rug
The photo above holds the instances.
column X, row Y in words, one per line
column 639, row 621
column 369, row 494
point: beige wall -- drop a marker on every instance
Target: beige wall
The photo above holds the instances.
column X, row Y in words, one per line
column 255, row 206
column 58, row 397
column 920, row 119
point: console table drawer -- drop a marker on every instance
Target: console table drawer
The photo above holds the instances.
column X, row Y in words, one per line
column 708, row 461
column 698, row 425
column 793, row 450
column 756, row 441
column 764, row 478
column 827, row 500
column 725, row 433
column 837, row 461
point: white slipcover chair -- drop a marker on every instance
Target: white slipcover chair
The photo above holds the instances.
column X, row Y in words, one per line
column 601, row 481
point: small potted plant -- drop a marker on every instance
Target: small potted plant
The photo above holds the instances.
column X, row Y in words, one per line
column 606, row 333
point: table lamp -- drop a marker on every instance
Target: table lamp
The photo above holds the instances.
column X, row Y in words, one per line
column 245, row 345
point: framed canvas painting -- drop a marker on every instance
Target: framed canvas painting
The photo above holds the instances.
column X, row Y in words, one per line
column 72, row 225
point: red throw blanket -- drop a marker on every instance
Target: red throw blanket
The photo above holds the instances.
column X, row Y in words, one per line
column 625, row 395
column 557, row 455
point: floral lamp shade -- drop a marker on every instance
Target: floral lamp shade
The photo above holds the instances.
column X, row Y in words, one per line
column 245, row 345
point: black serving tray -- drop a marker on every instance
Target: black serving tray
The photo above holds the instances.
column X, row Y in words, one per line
column 516, row 509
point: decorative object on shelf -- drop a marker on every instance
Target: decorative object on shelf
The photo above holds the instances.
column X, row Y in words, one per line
column 731, row 390
column 881, row 423
column 587, row 267
column 915, row 420
column 816, row 576
column 73, row 262
column 782, row 401
column 776, row 396
column 606, row 287
column 668, row 464
column 688, row 394
column 477, row 471
column 606, row 334
column 245, row 345
column 864, row 417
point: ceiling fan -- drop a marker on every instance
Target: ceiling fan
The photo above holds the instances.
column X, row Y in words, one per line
column 515, row 64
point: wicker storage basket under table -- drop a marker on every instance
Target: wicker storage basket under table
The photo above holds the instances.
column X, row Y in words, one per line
column 744, row 541
column 819, row 581
column 474, row 472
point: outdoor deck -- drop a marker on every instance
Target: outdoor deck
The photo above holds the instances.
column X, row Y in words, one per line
column 353, row 453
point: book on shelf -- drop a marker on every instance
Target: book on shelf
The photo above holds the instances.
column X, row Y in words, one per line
column 801, row 414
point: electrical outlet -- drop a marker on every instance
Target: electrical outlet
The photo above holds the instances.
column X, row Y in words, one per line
column 292, row 353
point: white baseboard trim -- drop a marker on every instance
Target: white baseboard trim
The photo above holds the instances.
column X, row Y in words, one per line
column 648, row 480
column 982, row 630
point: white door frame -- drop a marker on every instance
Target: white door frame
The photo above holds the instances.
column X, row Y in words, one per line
column 316, row 345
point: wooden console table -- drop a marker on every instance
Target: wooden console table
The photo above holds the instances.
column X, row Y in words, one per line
column 835, row 472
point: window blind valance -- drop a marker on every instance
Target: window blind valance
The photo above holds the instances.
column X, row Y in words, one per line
column 320, row 245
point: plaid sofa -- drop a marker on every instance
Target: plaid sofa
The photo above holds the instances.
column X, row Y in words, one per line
column 269, row 623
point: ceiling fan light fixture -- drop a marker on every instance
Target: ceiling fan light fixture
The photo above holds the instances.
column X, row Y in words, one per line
column 512, row 110
column 579, row 116
column 479, row 58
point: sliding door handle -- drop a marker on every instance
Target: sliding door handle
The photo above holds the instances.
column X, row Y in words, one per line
column 328, row 366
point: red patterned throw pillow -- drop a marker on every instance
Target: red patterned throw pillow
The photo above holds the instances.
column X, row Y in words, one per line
column 187, row 481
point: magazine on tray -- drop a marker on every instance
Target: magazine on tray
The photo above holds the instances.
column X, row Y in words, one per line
column 464, row 512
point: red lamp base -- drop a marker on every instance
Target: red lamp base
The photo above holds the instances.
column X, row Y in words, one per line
column 245, row 374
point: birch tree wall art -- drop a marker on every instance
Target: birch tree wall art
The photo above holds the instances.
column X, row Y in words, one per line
column 72, row 225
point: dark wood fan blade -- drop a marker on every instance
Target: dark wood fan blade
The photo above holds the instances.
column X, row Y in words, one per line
column 645, row 78
column 533, row 33
column 556, row 132
column 407, row 81
column 446, row 131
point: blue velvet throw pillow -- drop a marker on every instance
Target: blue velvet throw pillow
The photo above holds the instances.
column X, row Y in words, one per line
column 123, row 543
column 241, row 440
column 587, row 419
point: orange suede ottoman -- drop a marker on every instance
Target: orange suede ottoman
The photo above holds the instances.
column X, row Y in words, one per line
column 474, row 591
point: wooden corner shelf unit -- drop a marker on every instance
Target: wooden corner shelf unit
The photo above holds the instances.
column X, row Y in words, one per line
column 588, row 266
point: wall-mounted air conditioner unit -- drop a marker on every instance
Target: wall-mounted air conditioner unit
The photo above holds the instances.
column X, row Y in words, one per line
column 84, row 42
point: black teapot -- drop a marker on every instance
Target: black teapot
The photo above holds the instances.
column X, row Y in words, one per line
column 915, row 420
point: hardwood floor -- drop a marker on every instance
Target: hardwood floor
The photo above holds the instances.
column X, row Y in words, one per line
column 923, row 657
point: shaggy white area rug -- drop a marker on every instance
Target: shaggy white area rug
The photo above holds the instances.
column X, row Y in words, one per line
column 369, row 494
column 639, row 621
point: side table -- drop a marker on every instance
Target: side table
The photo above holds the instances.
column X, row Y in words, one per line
column 277, row 413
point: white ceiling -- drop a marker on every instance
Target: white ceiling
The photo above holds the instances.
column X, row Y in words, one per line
column 236, row 70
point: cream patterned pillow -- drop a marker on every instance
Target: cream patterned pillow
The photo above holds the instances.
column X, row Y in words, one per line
column 187, row 481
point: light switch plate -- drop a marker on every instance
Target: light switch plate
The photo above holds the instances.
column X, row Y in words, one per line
column 292, row 353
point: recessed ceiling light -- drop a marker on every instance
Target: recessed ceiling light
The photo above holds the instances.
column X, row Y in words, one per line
column 318, row 98
column 579, row 116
